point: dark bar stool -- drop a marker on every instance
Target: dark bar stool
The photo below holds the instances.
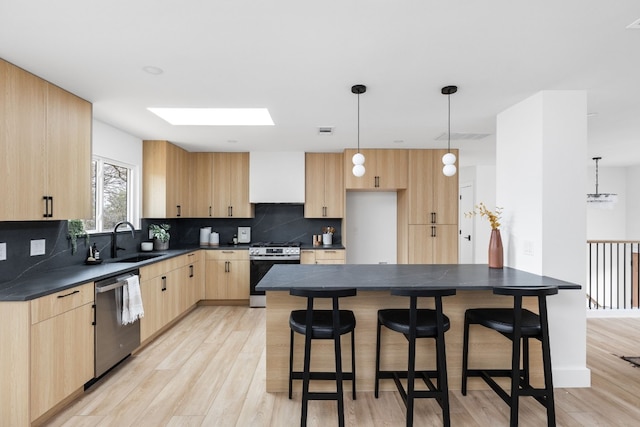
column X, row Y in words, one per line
column 517, row 324
column 418, row 323
column 323, row 325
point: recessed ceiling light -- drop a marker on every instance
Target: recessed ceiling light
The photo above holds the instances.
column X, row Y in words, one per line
column 152, row 70
column 232, row 141
column 214, row 116
column 635, row 25
column 398, row 141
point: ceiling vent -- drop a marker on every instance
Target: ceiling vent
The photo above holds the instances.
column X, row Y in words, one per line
column 455, row 136
column 325, row 130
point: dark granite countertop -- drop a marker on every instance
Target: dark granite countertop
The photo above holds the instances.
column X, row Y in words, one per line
column 380, row 277
column 35, row 285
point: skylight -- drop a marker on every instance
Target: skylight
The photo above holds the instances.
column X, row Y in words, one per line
column 214, row 116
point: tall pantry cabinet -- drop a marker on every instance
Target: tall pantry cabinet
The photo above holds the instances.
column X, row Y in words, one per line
column 45, row 149
column 431, row 201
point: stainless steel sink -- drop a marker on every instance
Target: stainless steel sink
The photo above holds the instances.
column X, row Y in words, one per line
column 139, row 258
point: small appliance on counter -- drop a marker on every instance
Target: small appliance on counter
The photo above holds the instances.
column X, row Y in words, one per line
column 214, row 239
column 244, row 234
column 205, row 234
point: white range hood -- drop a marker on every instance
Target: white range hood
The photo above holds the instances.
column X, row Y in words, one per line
column 276, row 177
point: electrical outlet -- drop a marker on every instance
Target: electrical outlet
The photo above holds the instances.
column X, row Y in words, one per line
column 38, row 247
column 528, row 247
column 3, row 251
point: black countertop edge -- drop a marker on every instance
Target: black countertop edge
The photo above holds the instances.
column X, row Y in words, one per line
column 248, row 245
column 384, row 277
column 35, row 285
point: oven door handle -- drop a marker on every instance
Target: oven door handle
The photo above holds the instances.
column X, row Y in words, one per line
column 275, row 258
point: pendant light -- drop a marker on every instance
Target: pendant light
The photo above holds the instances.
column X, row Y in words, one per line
column 601, row 200
column 358, row 158
column 449, row 159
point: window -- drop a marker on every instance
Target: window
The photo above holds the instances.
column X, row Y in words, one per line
column 112, row 195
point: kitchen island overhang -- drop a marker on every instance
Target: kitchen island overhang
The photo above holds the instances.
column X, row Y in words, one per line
column 473, row 282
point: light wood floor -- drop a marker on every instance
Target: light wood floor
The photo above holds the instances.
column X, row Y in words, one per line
column 209, row 370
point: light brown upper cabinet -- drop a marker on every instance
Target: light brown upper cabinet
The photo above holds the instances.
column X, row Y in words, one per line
column 433, row 197
column 231, row 186
column 324, row 191
column 46, row 149
column 165, row 186
column 384, row 170
column 202, row 185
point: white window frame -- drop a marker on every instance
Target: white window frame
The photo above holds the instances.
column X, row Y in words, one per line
column 133, row 194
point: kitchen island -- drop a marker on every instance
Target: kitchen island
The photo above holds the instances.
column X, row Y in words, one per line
column 474, row 283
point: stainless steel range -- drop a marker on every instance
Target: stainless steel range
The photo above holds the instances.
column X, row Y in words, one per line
column 262, row 256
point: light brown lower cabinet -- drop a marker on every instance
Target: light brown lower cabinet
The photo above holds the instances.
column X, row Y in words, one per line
column 168, row 289
column 62, row 357
column 47, row 352
column 322, row 256
column 433, row 244
column 227, row 273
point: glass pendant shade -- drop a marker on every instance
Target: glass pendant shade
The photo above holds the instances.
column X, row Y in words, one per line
column 358, row 170
column 449, row 159
column 358, row 159
column 449, row 170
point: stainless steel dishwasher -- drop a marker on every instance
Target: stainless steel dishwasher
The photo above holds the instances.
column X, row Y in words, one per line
column 113, row 340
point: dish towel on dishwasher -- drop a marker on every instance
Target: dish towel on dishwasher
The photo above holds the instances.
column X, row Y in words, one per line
column 132, row 309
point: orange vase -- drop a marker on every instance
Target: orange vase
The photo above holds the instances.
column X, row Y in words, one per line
column 496, row 259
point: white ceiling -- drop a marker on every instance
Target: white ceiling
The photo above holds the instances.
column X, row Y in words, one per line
column 299, row 59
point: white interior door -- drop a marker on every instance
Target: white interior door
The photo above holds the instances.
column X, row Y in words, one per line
column 465, row 234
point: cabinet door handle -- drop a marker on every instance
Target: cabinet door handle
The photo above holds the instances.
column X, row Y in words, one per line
column 48, row 206
column 377, row 181
column 93, row 307
column 191, row 271
column 433, row 231
column 179, row 210
column 324, row 211
column 164, row 283
column 209, row 210
column 231, row 210
column 70, row 293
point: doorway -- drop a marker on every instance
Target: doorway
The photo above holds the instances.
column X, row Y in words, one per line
column 466, row 233
column 372, row 227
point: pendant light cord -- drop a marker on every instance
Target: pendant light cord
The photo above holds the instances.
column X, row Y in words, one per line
column 449, row 126
column 596, row 159
column 358, row 123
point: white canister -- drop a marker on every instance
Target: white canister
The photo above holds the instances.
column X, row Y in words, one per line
column 214, row 239
column 327, row 239
column 205, row 233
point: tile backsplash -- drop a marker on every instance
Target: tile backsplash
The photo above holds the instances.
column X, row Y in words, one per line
column 272, row 222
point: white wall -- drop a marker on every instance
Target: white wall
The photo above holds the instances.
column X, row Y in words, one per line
column 540, row 176
column 114, row 144
column 371, row 230
column 631, row 196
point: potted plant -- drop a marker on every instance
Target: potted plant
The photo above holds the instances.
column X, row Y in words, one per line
column 75, row 229
column 161, row 236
